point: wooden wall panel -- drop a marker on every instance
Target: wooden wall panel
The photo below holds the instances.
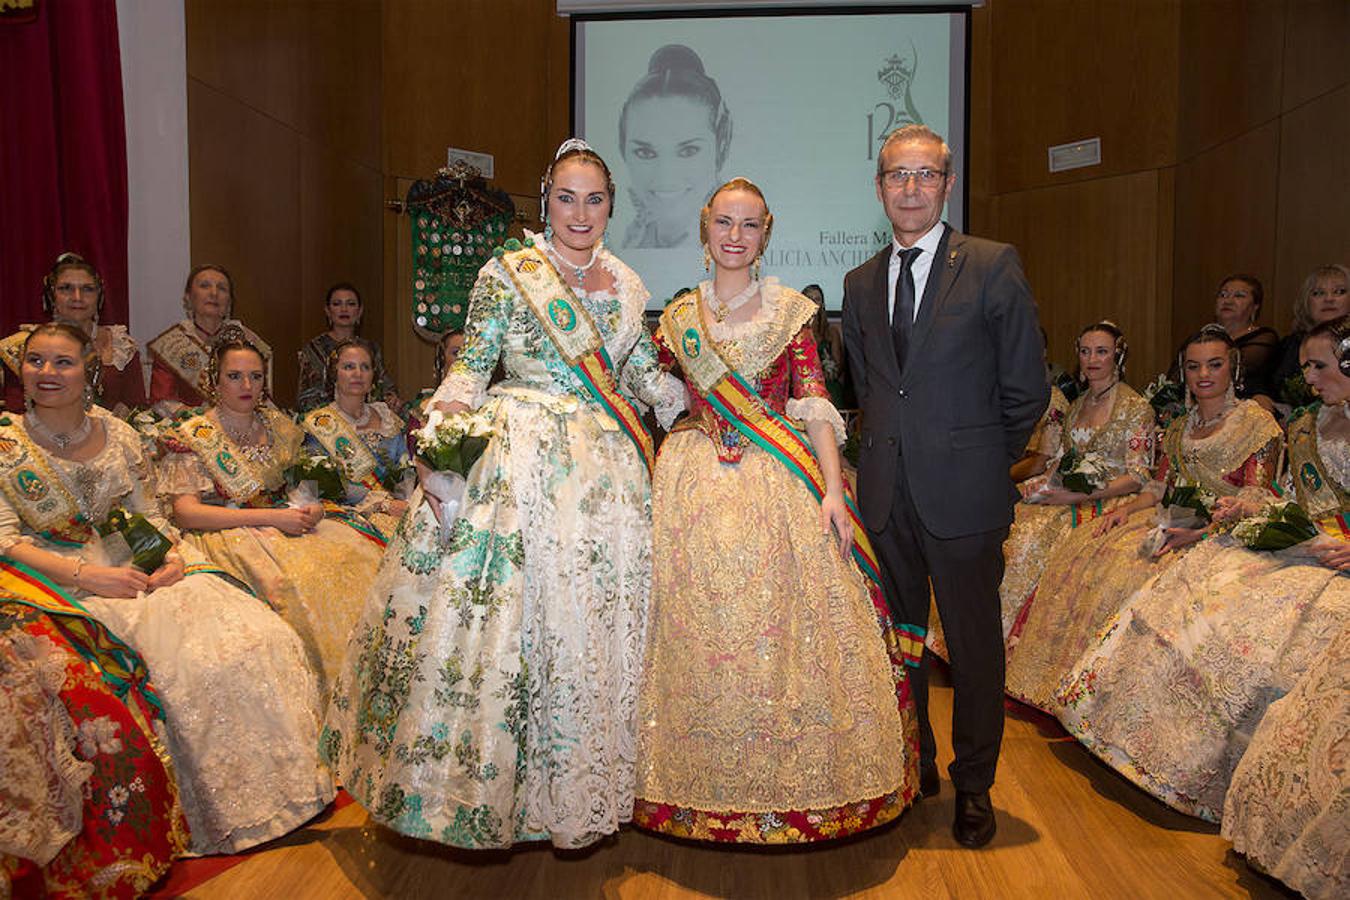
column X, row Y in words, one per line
column 245, row 168
column 1092, row 250
column 284, row 145
column 1064, row 70
column 1314, row 188
column 1316, row 35
column 1233, row 51
column 1226, row 205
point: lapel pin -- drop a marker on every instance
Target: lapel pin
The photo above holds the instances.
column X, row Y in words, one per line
column 951, row 259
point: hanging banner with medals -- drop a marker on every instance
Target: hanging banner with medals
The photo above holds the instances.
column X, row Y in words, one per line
column 457, row 219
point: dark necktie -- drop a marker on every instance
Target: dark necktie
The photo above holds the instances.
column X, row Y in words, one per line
column 902, row 319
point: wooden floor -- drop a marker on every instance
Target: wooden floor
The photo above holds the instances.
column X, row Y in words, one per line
column 1067, row 827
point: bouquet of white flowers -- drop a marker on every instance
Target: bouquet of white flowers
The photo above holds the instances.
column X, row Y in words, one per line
column 450, row 445
column 1082, row 473
column 1281, row 526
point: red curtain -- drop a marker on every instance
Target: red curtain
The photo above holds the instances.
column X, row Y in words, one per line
column 63, row 154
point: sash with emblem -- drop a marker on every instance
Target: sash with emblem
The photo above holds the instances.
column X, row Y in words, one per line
column 737, row 401
column 570, row 327
column 1325, row 501
column 119, row 665
column 188, row 356
column 36, row 491
column 340, row 440
column 236, row 475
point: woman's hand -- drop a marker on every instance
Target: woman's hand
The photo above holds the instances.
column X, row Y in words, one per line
column 834, row 513
column 112, row 581
column 1178, row 538
column 169, row 572
column 1060, row 497
column 1111, row 521
column 294, row 521
column 1337, row 558
column 454, row 407
column 1231, row 509
column 424, row 472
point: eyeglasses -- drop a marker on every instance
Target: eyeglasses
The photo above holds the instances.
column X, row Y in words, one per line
column 66, row 289
column 1236, row 294
column 924, row 178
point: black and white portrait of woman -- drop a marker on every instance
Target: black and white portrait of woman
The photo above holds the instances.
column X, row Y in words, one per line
column 674, row 136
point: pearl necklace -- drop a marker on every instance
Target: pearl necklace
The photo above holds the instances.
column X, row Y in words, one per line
column 360, row 421
column 1098, row 397
column 578, row 271
column 722, row 308
column 59, row 439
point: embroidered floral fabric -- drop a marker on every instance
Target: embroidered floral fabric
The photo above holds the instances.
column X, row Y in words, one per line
column 1288, row 805
column 490, row 689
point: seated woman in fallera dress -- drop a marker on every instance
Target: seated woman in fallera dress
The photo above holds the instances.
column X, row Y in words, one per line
column 1225, row 447
column 1108, row 421
column 490, row 691
column 343, row 308
column 73, row 292
column 223, row 473
column 1171, row 691
column 1288, row 805
column 774, row 705
column 180, row 356
column 216, row 654
column 364, row 439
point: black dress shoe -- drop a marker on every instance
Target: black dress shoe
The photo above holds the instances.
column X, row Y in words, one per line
column 930, row 782
column 974, row 824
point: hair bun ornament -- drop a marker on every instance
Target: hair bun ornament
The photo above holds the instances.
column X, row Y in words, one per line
column 675, row 57
column 1343, row 355
column 229, row 333
column 572, row 143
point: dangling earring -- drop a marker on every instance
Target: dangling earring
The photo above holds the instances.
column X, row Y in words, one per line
column 707, row 259
column 548, row 231
column 88, row 396
column 755, row 267
column 1190, row 401
column 28, row 406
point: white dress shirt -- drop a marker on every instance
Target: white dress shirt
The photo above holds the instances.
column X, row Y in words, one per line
column 922, row 265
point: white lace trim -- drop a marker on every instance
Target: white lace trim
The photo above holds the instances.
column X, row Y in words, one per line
column 121, row 345
column 753, row 344
column 462, row 388
column 818, row 409
column 671, row 400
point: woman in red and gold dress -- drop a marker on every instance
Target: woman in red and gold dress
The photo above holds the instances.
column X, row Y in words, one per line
column 774, row 706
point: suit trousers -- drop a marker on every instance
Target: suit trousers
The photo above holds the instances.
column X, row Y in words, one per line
column 965, row 573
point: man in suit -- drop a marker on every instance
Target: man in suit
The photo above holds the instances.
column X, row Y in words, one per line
column 945, row 351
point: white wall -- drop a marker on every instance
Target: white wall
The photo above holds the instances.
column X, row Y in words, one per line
column 153, row 41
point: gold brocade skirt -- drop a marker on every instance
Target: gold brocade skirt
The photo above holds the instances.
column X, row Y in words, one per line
column 766, row 685
column 1085, row 581
column 317, row 581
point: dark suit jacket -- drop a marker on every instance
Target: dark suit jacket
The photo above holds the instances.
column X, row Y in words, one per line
column 972, row 390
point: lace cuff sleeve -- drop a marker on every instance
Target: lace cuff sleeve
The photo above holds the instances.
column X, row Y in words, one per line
column 182, row 473
column 818, row 409
column 671, row 400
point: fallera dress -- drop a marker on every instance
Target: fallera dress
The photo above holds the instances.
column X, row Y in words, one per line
column 774, row 705
column 215, row 655
column 1172, row 690
column 1088, row 578
column 489, row 695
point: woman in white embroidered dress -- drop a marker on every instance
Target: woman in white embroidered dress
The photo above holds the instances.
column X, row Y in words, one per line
column 243, row 749
column 490, row 691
